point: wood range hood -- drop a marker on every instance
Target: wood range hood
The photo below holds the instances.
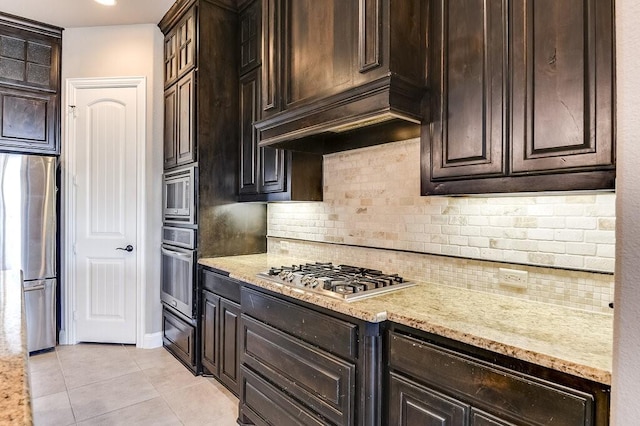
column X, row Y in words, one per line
column 355, row 78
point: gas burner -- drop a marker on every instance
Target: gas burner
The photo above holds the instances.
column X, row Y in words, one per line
column 344, row 282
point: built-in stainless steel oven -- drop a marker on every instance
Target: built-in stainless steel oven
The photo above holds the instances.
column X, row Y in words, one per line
column 179, row 195
column 178, row 265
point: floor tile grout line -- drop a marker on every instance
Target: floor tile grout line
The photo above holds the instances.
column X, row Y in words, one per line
column 66, row 386
column 73, row 411
column 171, row 409
column 97, row 381
column 118, row 409
column 138, row 361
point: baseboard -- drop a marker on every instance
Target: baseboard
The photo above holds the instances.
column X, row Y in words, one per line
column 62, row 337
column 152, row 340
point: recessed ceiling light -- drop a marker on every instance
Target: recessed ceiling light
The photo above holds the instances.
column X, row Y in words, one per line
column 107, row 2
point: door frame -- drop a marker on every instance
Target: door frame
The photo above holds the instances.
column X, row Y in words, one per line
column 68, row 176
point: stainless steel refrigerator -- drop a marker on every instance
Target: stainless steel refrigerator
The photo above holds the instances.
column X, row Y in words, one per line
column 28, row 238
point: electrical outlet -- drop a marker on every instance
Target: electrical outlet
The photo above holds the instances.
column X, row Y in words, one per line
column 513, row 278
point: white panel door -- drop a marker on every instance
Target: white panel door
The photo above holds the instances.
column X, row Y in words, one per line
column 106, row 196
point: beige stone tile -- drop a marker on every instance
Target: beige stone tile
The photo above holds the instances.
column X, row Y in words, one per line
column 204, row 404
column 171, row 377
column 100, row 398
column 46, row 381
column 90, row 363
column 84, row 351
column 53, row 410
column 43, row 361
column 151, row 358
column 154, row 412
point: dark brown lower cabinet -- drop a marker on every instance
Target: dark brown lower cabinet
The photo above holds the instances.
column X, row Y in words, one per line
column 210, row 327
column 265, row 404
column 229, row 328
column 293, row 363
column 435, row 385
column 414, row 404
column 178, row 337
column 302, row 365
column 220, row 328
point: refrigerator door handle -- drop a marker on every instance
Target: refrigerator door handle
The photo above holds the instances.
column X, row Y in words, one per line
column 34, row 288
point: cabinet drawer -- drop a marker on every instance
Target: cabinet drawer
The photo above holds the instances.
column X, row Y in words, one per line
column 414, row 404
column 334, row 335
column 480, row 418
column 504, row 392
column 275, row 408
column 178, row 337
column 323, row 382
column 221, row 285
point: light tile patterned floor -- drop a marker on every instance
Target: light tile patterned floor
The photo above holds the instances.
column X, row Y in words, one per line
column 95, row 384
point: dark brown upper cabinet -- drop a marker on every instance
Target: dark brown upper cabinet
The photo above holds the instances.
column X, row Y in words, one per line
column 29, row 86
column 333, row 70
column 267, row 173
column 179, row 122
column 180, row 75
column 202, row 123
column 250, row 37
column 521, row 97
column 180, row 48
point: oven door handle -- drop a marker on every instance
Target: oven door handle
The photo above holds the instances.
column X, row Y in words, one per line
column 173, row 253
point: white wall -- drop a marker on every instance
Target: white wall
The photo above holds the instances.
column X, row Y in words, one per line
column 129, row 51
column 626, row 360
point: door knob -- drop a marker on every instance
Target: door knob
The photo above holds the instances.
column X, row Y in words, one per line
column 128, row 248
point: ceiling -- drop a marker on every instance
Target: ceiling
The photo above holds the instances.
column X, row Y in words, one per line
column 88, row 13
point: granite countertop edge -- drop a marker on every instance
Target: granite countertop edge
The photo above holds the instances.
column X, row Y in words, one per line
column 15, row 398
column 500, row 324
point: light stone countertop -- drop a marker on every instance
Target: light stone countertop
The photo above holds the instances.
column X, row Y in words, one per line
column 15, row 401
column 564, row 339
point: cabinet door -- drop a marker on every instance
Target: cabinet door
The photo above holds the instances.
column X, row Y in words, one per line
column 271, row 51
column 185, row 119
column 272, row 166
column 186, row 42
column 561, row 112
column 170, row 58
column 229, row 335
column 28, row 60
column 413, row 404
column 250, row 40
column 467, row 134
column 262, row 169
column 28, row 122
column 249, row 113
column 210, row 332
column 170, row 125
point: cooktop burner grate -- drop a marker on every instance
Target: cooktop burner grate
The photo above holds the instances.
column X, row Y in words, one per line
column 344, row 282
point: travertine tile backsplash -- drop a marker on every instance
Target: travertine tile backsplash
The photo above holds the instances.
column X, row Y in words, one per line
column 582, row 290
column 372, row 199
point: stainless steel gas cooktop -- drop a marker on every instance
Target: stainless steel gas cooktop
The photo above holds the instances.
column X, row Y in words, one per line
column 344, row 282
